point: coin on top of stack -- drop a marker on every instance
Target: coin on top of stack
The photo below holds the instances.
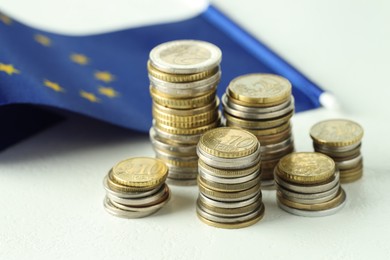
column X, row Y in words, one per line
column 229, row 178
column 308, row 184
column 340, row 139
column 136, row 187
column 263, row 105
column 183, row 76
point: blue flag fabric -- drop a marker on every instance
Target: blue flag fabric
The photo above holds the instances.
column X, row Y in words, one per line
column 104, row 76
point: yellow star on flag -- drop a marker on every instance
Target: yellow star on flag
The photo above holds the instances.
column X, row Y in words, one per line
column 109, row 92
column 104, row 76
column 79, row 58
column 89, row 96
column 5, row 19
column 54, row 86
column 42, row 39
column 9, row 69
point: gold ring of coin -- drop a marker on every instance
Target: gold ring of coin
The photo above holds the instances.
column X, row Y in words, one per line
column 260, row 133
column 209, row 177
column 177, row 139
column 128, row 194
column 187, row 131
column 123, row 188
column 169, row 112
column 180, row 77
column 353, row 178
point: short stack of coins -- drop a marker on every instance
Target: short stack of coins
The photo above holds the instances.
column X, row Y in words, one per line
column 263, row 105
column 308, row 184
column 229, row 178
column 183, row 81
column 340, row 139
column 136, row 187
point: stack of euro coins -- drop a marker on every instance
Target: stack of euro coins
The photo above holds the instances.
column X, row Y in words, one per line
column 340, row 139
column 229, row 178
column 263, row 105
column 308, row 184
column 183, row 78
column 136, row 187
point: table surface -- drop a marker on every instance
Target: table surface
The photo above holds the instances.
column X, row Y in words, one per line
column 51, row 184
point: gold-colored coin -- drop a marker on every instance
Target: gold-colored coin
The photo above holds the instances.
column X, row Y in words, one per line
column 228, row 187
column 176, row 78
column 140, row 172
column 260, row 133
column 228, row 142
column 182, row 103
column 233, row 225
column 340, row 197
column 260, row 88
column 336, row 132
column 186, row 131
column 175, row 120
column 306, row 168
column 352, row 178
column 117, row 187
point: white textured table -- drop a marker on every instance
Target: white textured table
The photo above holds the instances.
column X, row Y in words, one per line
column 51, row 185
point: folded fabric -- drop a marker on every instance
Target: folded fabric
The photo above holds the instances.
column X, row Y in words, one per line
column 104, row 76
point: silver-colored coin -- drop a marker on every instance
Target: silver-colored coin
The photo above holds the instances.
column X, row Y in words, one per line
column 348, row 164
column 233, row 198
column 277, row 147
column 163, row 145
column 185, row 93
column 233, row 164
column 268, row 185
column 185, row 56
column 308, row 196
column 240, row 213
column 238, row 180
column 128, row 194
column 143, row 208
column 188, row 112
column 311, row 199
column 162, row 84
column 247, row 115
column 307, row 213
column 181, row 182
column 317, row 188
column 231, row 205
column 181, row 159
column 182, row 139
column 139, row 201
column 201, row 212
column 110, row 208
column 182, row 175
column 260, row 110
column 226, row 174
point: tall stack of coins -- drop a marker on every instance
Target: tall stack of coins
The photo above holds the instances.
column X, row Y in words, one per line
column 229, row 178
column 183, row 81
column 341, row 140
column 263, row 105
column 136, row 187
column 308, row 185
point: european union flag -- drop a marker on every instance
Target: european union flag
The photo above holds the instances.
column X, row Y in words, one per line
column 104, row 76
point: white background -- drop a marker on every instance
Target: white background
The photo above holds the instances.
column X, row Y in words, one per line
column 51, row 185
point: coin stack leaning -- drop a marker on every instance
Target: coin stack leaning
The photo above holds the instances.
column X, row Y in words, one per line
column 229, row 178
column 136, row 187
column 308, row 185
column 263, row 105
column 183, row 81
column 340, row 139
